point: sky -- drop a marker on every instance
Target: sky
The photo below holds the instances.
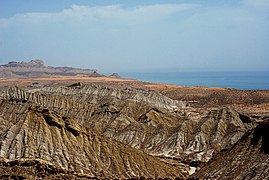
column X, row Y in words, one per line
column 138, row 35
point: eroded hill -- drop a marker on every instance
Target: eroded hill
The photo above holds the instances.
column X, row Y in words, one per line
column 33, row 128
column 69, row 123
column 106, row 132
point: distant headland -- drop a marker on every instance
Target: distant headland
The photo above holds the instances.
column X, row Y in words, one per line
column 37, row 68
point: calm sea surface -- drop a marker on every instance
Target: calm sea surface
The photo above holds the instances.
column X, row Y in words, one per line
column 238, row 80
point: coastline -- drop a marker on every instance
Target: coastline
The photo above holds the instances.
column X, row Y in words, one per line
column 236, row 80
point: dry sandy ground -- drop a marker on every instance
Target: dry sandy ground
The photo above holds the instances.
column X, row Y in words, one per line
column 56, row 79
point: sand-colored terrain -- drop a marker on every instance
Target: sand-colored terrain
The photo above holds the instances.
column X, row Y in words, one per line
column 252, row 102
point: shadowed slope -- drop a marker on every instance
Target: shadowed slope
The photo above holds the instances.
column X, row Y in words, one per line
column 28, row 132
column 165, row 128
column 247, row 159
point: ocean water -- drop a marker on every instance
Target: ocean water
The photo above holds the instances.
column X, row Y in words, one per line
column 237, row 80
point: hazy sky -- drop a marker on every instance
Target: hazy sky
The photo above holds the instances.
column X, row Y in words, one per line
column 138, row 35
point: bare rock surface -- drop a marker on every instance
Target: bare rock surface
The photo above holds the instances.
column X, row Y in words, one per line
column 25, row 168
column 247, row 159
column 109, row 132
column 34, row 131
column 159, row 125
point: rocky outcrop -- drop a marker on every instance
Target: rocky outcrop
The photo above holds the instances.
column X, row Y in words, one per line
column 106, row 132
column 97, row 94
column 114, row 75
column 142, row 119
column 37, row 68
column 247, row 159
column 36, row 132
column 160, row 126
column 32, row 63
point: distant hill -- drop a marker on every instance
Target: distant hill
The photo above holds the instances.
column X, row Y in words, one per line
column 37, row 68
column 115, row 75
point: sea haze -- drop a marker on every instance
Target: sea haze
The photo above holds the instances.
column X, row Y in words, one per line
column 237, row 80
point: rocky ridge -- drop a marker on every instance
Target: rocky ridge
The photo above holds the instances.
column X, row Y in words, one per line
column 135, row 123
column 32, row 131
column 247, row 159
column 115, row 75
column 37, row 68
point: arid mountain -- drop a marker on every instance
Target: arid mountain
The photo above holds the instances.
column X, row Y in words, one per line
column 37, row 68
column 114, row 75
column 77, row 127
column 34, row 127
column 105, row 132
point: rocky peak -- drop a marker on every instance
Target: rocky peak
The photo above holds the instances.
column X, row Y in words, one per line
column 37, row 62
column 37, row 68
column 114, row 75
column 32, row 63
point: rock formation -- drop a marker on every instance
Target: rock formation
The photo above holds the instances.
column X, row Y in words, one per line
column 37, row 68
column 105, row 132
column 32, row 63
column 31, row 129
column 247, row 159
column 114, row 75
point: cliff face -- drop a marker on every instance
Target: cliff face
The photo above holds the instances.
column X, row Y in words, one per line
column 37, row 68
column 107, row 132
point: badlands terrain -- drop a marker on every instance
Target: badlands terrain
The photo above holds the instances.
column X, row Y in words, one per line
column 68, row 123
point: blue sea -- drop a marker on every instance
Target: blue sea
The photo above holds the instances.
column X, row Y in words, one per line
column 237, row 80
